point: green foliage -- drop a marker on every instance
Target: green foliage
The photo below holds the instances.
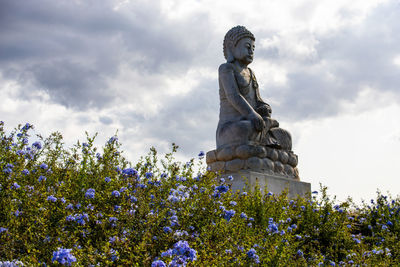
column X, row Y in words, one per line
column 84, row 206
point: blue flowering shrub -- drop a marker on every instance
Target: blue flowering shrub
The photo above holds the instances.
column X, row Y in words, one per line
column 85, row 206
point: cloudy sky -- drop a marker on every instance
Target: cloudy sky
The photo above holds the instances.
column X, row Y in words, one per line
column 329, row 69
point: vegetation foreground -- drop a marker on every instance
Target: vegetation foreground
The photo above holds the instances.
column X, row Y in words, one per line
column 84, row 207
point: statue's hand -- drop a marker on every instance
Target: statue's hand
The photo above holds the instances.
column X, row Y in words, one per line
column 257, row 121
column 264, row 110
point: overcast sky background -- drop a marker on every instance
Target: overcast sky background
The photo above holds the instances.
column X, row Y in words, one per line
column 329, row 69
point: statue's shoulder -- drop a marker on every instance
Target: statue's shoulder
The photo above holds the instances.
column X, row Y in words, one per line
column 253, row 77
column 226, row 67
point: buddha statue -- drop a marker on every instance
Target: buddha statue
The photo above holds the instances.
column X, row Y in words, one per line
column 247, row 137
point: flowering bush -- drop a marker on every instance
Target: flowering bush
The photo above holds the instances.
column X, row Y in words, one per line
column 83, row 206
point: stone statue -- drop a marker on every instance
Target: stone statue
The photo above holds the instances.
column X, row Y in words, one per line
column 247, row 137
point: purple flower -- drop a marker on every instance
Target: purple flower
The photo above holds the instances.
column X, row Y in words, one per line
column 70, row 218
column 7, row 170
column 81, row 218
column 41, row 178
column 25, row 172
column 112, row 139
column 167, row 229
column 63, row 256
column 229, row 214
column 158, row 263
column 15, row 185
column 90, row 193
column 167, row 253
column 182, row 248
column 44, row 166
column 115, row 193
column 222, row 188
column 300, row 253
column 113, row 239
column 27, row 126
column 252, row 254
column 107, row 179
column 201, row 154
column 272, row 227
column 112, row 219
column 9, row 165
column 38, row 145
column 129, row 172
column 51, row 198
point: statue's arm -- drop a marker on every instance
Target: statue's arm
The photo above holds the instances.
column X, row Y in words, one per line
column 262, row 108
column 228, row 82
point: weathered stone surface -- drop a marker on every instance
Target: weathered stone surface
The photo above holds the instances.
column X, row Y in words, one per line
column 211, row 156
column 217, row 166
column 272, row 154
column 234, row 165
column 225, row 153
column 292, row 160
column 268, row 164
column 278, row 167
column 296, row 173
column 254, row 163
column 288, row 170
column 245, row 151
column 274, row 183
column 283, row 157
column 261, row 152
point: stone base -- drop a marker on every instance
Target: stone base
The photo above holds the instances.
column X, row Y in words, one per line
column 235, row 158
column 275, row 183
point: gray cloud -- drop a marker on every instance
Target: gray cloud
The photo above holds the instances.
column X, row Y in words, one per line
column 105, row 120
column 189, row 120
column 72, row 49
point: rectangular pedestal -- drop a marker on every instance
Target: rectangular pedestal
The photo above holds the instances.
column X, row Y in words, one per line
column 274, row 183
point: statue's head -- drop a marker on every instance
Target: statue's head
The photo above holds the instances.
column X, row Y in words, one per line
column 232, row 38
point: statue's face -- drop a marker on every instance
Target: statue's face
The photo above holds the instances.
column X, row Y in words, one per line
column 244, row 51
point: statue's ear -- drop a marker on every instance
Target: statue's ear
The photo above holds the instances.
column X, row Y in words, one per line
column 229, row 54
